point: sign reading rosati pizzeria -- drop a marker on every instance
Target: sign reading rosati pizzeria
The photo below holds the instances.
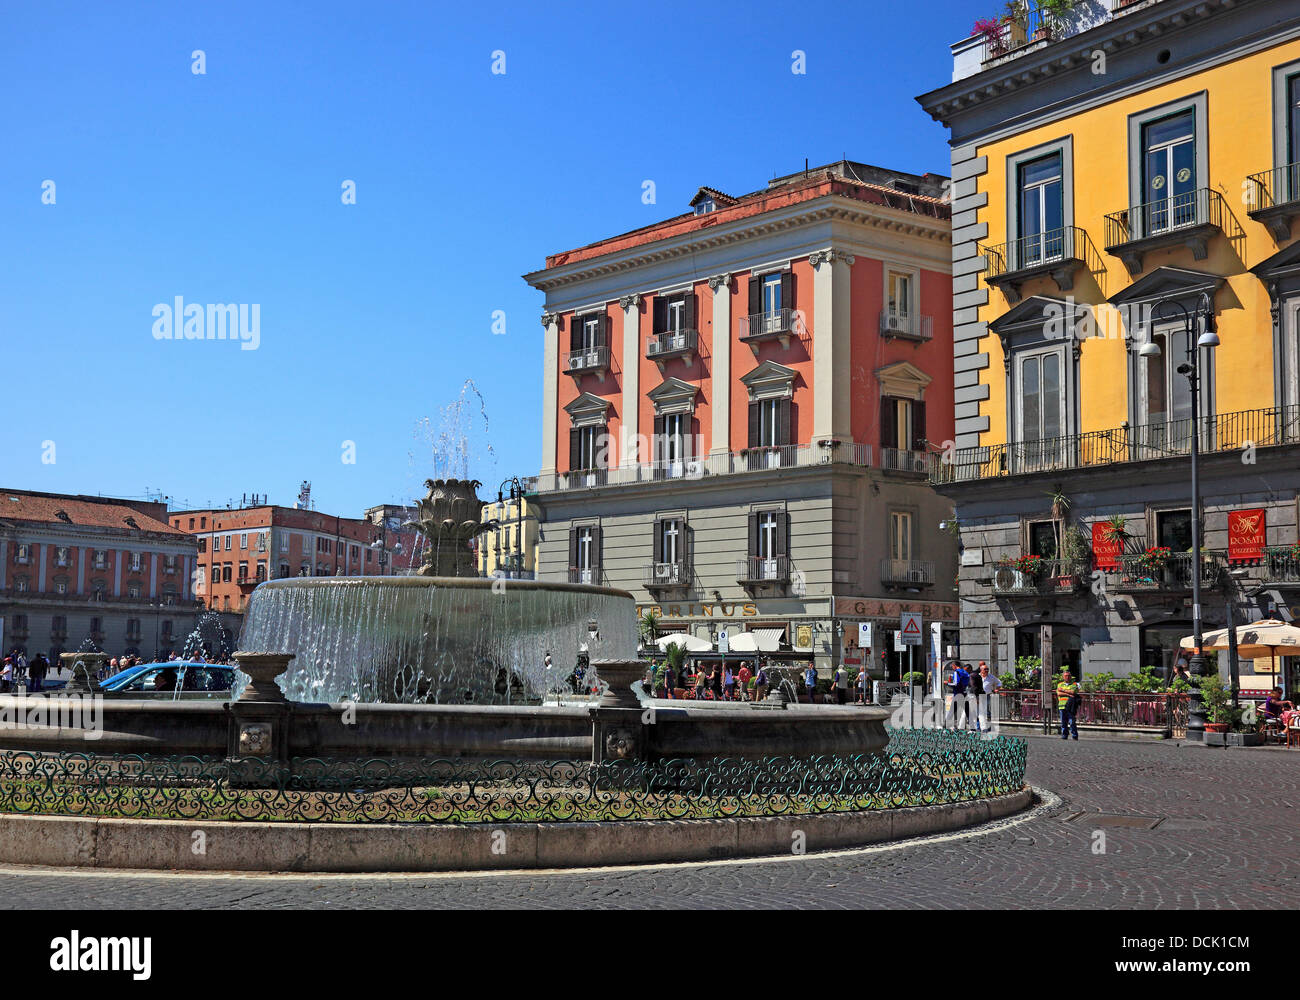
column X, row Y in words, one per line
column 1107, row 546
column 1246, row 535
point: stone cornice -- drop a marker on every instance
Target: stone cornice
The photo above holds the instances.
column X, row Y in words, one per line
column 828, row 208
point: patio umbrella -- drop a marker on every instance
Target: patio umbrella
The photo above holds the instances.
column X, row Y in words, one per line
column 691, row 643
column 1267, row 637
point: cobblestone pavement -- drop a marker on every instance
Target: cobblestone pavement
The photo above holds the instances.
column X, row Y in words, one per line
column 1226, row 838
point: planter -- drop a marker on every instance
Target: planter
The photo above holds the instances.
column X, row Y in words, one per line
column 1043, row 35
column 1213, row 739
column 1216, row 727
column 1243, row 739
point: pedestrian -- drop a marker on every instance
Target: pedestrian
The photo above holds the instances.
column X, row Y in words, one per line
column 974, row 693
column 1067, row 702
column 20, row 669
column 841, row 685
column 810, row 682
column 760, row 682
column 36, row 672
column 728, row 682
column 958, row 682
column 670, row 680
column 862, row 685
column 715, row 683
column 743, row 676
column 991, row 685
column 7, row 675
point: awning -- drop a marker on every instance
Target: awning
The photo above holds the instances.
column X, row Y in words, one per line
column 691, row 643
column 759, row 640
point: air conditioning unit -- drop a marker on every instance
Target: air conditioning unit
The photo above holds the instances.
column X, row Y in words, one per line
column 772, row 323
column 895, row 324
column 663, row 571
column 919, row 465
column 694, row 470
column 576, row 362
column 916, row 576
column 1007, row 578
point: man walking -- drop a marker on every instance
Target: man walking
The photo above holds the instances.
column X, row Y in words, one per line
column 841, row 685
column 958, row 683
column 810, row 682
column 1067, row 702
column 991, row 686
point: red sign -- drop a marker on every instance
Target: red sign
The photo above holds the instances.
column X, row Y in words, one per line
column 1246, row 530
column 1106, row 550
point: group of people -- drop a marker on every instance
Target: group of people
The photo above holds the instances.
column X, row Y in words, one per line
column 18, row 671
column 972, row 691
column 718, row 684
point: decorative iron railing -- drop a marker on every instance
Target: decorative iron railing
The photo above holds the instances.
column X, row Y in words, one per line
column 1199, row 207
column 907, row 327
column 587, row 359
column 667, row 574
column 672, row 342
column 1139, row 443
column 1047, row 576
column 920, row 767
column 907, row 572
column 1282, row 566
column 1141, row 572
column 1013, row 34
column 1270, row 188
column 1162, row 710
column 778, row 323
column 763, row 569
column 1038, row 250
column 907, row 460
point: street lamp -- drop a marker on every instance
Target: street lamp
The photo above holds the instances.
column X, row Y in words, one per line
column 381, row 543
column 1202, row 316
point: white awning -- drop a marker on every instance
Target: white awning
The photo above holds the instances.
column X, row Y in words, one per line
column 759, row 640
column 743, row 642
column 691, row 643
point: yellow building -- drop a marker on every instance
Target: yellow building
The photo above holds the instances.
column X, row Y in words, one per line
column 511, row 548
column 1125, row 180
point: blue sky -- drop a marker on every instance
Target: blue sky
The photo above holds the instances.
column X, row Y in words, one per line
column 226, row 187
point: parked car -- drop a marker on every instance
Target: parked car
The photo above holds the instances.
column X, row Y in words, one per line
column 176, row 680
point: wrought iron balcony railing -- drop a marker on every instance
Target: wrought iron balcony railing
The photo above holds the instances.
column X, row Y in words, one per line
column 584, row 574
column 1190, row 218
column 905, row 326
column 1142, row 572
column 907, row 572
column 763, row 569
column 1140, row 443
column 1057, row 252
column 761, row 326
column 1275, row 198
column 1282, row 566
column 672, row 344
column 587, row 359
column 667, row 574
column 907, row 460
column 1047, row 576
column 1033, row 28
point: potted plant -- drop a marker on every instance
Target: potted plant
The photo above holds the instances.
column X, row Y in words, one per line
column 1152, row 562
column 1052, row 18
column 991, row 30
column 1214, row 699
column 1016, row 20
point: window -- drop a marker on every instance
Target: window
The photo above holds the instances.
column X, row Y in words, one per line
column 243, row 540
column 1041, row 397
column 261, row 570
column 191, row 524
column 243, row 571
column 58, row 625
column 169, row 564
column 200, row 579
column 136, row 562
column 1168, row 394
column 902, row 423
column 1042, row 210
column 673, row 442
column 1169, row 172
column 584, row 554
column 61, row 585
column 354, row 552
column 96, row 625
column 771, row 294
column 1174, row 529
column 769, row 423
column 704, row 206
column 20, row 584
column 284, row 541
column 225, row 572
column 23, row 554
column 203, row 544
column 900, row 535
column 101, row 559
column 229, row 539
column 133, row 591
column 587, row 332
column 586, row 447
column 203, row 523
column 98, row 590
column 898, row 291
column 1042, row 539
column 670, row 541
column 768, row 545
column 1293, row 121
column 284, row 571
column 261, row 541
column 61, row 556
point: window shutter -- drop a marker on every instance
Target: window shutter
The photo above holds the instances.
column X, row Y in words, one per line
column 601, row 320
column 660, row 315
column 754, row 419
column 658, row 447
column 688, row 317
column 753, row 535
column 918, row 425
column 601, row 458
column 688, row 436
column 783, row 534
column 574, row 326
column 575, row 448
column 888, row 422
column 783, row 408
column 595, row 554
column 755, row 295
column 573, row 548
column 787, row 290
column 659, row 541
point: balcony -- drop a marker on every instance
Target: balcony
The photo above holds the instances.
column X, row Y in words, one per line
column 917, row 328
column 1118, row 445
column 249, row 581
column 1275, row 199
column 682, row 344
column 903, row 460
column 1188, row 219
column 1174, row 574
column 1057, row 253
column 907, row 572
column 1041, row 577
column 588, row 361
column 758, row 327
column 584, row 574
column 665, row 575
column 1282, row 566
column 763, row 570
column 579, row 479
column 1014, row 37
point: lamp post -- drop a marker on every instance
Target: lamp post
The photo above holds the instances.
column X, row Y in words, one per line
column 381, row 543
column 516, row 546
column 1202, row 317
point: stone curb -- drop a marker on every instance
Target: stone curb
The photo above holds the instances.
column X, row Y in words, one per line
column 95, row 842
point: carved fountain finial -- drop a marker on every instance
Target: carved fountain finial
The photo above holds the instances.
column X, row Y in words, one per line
column 449, row 517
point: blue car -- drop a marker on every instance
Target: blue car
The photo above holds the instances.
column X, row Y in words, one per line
column 174, row 680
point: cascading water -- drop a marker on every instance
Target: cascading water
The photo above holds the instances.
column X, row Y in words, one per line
column 435, row 640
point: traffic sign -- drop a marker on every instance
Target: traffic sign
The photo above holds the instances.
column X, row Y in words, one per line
column 900, row 644
column 909, row 624
column 864, row 635
column 724, row 641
